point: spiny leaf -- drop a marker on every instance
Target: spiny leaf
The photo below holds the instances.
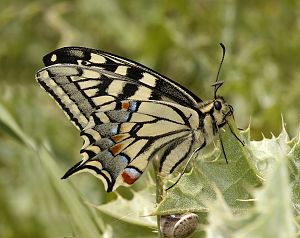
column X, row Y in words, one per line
column 264, row 152
column 294, row 169
column 130, row 218
column 135, row 211
column 234, row 180
column 272, row 214
column 122, row 229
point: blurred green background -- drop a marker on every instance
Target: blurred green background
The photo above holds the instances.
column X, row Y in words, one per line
column 176, row 38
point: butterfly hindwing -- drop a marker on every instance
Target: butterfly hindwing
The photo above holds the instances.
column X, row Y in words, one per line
column 123, row 136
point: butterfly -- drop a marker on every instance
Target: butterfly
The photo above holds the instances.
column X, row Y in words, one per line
column 127, row 114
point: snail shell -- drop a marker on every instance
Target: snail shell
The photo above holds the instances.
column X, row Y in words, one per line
column 179, row 225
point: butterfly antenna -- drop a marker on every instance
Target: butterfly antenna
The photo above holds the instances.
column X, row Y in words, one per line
column 220, row 138
column 217, row 84
column 223, row 149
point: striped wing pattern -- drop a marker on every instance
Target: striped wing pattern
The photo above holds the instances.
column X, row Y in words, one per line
column 126, row 113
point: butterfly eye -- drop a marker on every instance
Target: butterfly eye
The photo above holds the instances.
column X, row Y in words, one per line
column 217, row 105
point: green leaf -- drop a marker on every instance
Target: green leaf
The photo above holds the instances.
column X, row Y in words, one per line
column 9, row 126
column 234, row 180
column 294, row 169
column 273, row 209
column 42, row 175
column 136, row 210
column 82, row 218
column 272, row 214
column 265, row 152
column 122, row 229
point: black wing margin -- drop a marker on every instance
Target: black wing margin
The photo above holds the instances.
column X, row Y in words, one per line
column 163, row 87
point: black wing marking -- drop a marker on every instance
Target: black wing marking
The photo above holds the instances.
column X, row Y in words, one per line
column 121, row 67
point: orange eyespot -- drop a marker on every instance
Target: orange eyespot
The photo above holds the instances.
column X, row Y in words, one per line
column 130, row 175
column 125, row 105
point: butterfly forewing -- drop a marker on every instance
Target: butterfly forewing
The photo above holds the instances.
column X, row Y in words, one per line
column 126, row 113
column 120, row 67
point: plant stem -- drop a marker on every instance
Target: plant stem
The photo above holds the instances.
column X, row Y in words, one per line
column 159, row 189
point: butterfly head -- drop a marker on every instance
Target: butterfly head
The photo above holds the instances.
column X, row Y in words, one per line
column 220, row 110
column 217, row 110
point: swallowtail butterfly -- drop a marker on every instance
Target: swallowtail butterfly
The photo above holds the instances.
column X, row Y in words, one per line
column 127, row 114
